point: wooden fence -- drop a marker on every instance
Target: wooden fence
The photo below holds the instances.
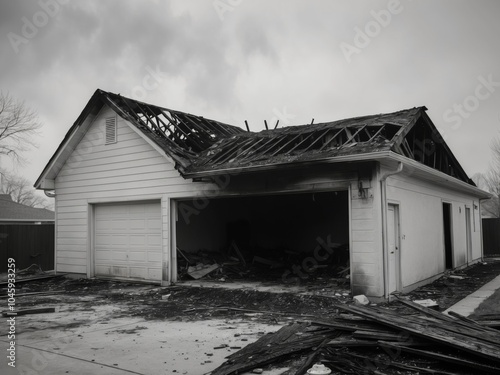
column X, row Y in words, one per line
column 491, row 237
column 28, row 244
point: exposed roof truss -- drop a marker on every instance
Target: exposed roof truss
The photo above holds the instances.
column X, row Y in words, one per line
column 186, row 133
column 297, row 140
column 423, row 143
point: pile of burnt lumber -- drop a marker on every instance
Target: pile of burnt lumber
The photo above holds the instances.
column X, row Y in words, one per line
column 489, row 320
column 406, row 339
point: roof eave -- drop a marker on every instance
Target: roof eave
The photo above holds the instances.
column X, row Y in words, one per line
column 93, row 105
column 437, row 176
column 27, row 220
column 431, row 173
column 266, row 167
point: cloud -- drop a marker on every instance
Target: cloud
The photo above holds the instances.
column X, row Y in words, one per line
column 263, row 57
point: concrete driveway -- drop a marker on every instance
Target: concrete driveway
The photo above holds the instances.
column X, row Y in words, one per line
column 89, row 341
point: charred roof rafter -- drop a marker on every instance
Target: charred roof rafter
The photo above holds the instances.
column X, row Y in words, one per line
column 187, row 134
column 423, row 143
column 198, row 144
column 253, row 147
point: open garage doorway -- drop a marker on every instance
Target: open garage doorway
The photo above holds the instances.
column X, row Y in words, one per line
column 288, row 238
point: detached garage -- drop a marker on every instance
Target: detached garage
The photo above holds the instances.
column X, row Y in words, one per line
column 137, row 187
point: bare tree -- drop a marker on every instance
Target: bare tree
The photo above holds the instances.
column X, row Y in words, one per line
column 21, row 191
column 18, row 126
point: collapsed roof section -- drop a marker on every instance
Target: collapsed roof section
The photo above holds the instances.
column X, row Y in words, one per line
column 408, row 132
column 201, row 146
column 182, row 135
column 295, row 144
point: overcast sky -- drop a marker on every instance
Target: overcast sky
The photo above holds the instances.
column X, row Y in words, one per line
column 256, row 60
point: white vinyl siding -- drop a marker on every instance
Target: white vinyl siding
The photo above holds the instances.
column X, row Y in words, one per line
column 422, row 228
column 95, row 173
column 366, row 242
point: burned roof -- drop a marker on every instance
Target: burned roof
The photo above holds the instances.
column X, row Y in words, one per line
column 201, row 147
column 182, row 135
column 409, row 132
column 295, row 144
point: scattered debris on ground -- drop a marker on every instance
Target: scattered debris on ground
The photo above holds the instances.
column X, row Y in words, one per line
column 40, row 310
column 374, row 340
column 331, row 328
column 263, row 264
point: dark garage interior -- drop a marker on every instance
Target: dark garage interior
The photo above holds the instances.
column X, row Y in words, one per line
column 287, row 237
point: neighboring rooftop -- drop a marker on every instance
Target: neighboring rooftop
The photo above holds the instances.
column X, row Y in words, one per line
column 12, row 211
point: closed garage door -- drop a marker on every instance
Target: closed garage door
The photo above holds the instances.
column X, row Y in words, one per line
column 127, row 241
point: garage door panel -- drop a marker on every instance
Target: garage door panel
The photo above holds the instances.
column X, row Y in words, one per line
column 154, row 240
column 128, row 241
column 153, row 224
column 138, row 273
column 102, row 256
column 154, row 274
column 138, row 240
column 119, row 256
column 154, row 257
column 138, row 256
column 138, row 224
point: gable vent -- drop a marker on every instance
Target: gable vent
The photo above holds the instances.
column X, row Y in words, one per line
column 110, row 130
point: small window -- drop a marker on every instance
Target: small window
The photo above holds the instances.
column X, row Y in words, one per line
column 110, row 130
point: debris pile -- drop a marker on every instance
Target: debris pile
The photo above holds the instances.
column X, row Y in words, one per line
column 263, row 264
column 375, row 340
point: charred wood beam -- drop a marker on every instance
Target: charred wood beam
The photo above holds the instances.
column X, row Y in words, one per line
column 438, row 332
column 331, row 139
column 249, row 145
column 353, row 136
column 179, row 123
column 195, row 130
column 227, row 154
column 442, row 357
column 291, row 138
column 268, row 140
column 317, row 140
column 301, row 142
column 377, row 133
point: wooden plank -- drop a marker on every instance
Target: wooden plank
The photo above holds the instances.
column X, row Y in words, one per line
column 376, row 335
column 40, row 310
column 434, row 332
column 35, row 293
column 198, row 274
column 261, row 355
column 34, row 278
column 238, row 252
column 473, row 324
column 442, row 357
column 476, row 330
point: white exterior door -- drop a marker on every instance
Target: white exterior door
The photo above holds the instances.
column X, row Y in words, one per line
column 127, row 241
column 393, row 250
